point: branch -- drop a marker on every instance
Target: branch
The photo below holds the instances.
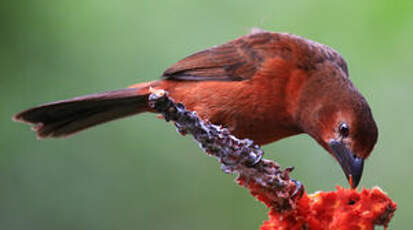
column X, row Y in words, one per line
column 290, row 207
column 263, row 177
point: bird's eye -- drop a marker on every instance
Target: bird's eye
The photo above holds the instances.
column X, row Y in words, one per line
column 344, row 130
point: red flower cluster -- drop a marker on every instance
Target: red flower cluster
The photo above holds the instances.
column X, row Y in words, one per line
column 344, row 209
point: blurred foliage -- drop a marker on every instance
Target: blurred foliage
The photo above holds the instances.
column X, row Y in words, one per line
column 138, row 173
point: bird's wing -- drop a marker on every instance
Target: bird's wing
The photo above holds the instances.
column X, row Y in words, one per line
column 244, row 57
column 236, row 60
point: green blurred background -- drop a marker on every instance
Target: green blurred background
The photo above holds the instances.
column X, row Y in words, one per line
column 138, row 173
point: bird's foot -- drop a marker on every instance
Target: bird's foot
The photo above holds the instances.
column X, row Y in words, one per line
column 298, row 191
column 255, row 158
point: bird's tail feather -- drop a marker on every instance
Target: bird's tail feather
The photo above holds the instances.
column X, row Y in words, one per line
column 64, row 118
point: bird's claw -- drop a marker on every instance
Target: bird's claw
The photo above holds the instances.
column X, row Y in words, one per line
column 255, row 159
column 298, row 191
column 250, row 159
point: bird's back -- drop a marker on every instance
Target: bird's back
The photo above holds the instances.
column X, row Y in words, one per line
column 251, row 84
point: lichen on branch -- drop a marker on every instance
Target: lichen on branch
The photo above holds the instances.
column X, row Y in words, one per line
column 290, row 207
column 236, row 156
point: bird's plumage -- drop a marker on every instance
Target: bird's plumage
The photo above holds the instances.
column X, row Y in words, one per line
column 242, row 58
column 263, row 86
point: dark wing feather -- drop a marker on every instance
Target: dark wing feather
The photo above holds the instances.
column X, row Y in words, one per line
column 236, row 60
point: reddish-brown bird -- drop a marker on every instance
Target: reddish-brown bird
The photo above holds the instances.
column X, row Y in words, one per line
column 263, row 86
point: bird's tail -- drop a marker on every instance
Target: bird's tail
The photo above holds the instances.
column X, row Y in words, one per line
column 64, row 118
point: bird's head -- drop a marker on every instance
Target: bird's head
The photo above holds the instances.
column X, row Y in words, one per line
column 349, row 133
column 338, row 117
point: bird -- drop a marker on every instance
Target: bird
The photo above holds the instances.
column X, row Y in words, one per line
column 264, row 86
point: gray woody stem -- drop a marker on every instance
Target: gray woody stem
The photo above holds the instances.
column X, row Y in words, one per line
column 265, row 179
